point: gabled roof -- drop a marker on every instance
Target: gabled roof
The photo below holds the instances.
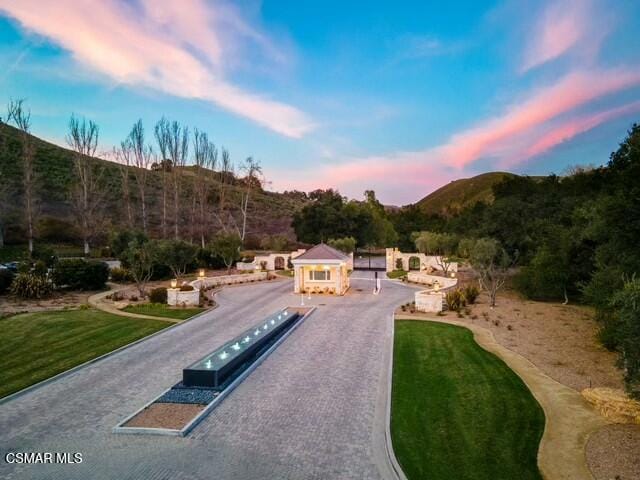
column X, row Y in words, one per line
column 322, row 251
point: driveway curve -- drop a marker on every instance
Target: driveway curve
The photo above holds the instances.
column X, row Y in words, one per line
column 313, row 409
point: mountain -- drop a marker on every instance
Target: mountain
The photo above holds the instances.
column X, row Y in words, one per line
column 270, row 213
column 458, row 194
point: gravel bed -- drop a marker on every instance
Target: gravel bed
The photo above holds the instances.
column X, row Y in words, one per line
column 198, row 396
column 613, row 452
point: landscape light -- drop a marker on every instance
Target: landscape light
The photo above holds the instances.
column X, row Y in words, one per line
column 201, row 273
column 436, row 286
column 174, row 283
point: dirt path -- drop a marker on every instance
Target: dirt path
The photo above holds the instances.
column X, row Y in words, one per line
column 99, row 301
column 569, row 418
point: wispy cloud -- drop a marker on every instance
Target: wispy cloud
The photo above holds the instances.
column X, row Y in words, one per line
column 564, row 26
column 523, row 130
column 162, row 45
column 503, row 136
column 565, row 131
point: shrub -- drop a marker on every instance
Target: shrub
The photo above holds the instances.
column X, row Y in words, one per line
column 30, row 286
column 45, row 254
column 120, row 275
column 626, row 311
column 158, row 295
column 6, row 277
column 399, row 264
column 186, row 288
column 471, row 293
column 80, row 274
column 455, row 300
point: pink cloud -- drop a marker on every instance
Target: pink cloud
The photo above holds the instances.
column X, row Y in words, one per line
column 576, row 126
column 503, row 135
column 563, row 26
column 163, row 46
column 507, row 138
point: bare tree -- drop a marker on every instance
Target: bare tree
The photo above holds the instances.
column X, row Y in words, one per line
column 21, row 117
column 5, row 188
column 87, row 197
column 175, row 139
column 142, row 155
column 252, row 179
column 161, row 132
column 122, row 156
column 205, row 157
column 224, row 179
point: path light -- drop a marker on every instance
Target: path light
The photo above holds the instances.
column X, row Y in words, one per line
column 174, row 283
column 201, row 274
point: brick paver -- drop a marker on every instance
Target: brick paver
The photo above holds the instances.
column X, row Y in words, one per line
column 309, row 411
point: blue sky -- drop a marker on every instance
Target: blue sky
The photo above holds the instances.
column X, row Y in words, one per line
column 400, row 97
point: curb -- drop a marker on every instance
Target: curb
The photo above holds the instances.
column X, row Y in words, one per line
column 391, row 456
column 72, row 370
column 121, row 429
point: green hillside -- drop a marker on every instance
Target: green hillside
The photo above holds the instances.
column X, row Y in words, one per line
column 270, row 213
column 455, row 196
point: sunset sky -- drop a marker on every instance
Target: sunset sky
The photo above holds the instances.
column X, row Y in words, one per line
column 400, row 97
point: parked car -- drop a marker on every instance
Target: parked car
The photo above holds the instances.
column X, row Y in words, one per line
column 11, row 266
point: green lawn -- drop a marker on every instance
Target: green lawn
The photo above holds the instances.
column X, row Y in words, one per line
column 161, row 310
column 396, row 274
column 36, row 346
column 285, row 273
column 458, row 412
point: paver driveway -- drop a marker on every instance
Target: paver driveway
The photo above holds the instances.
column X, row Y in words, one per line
column 312, row 410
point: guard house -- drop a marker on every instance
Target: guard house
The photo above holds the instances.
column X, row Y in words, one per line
column 321, row 269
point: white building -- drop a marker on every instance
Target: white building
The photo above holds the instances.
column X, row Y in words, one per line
column 321, row 269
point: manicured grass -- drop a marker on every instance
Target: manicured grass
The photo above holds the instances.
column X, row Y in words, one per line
column 396, row 274
column 458, row 412
column 285, row 273
column 36, row 346
column 160, row 310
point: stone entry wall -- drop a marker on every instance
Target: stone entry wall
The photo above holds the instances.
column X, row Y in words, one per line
column 426, row 262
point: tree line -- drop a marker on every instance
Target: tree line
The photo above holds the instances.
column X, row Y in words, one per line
column 574, row 238
column 201, row 195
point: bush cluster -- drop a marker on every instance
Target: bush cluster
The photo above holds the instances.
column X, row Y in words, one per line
column 31, row 286
column 119, row 275
column 158, row 295
column 80, row 274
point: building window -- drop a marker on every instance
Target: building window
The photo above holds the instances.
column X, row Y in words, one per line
column 319, row 275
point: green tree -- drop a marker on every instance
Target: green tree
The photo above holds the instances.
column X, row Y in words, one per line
column 345, row 244
column 492, row 263
column 139, row 258
column 442, row 245
column 626, row 305
column 178, row 255
column 227, row 246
